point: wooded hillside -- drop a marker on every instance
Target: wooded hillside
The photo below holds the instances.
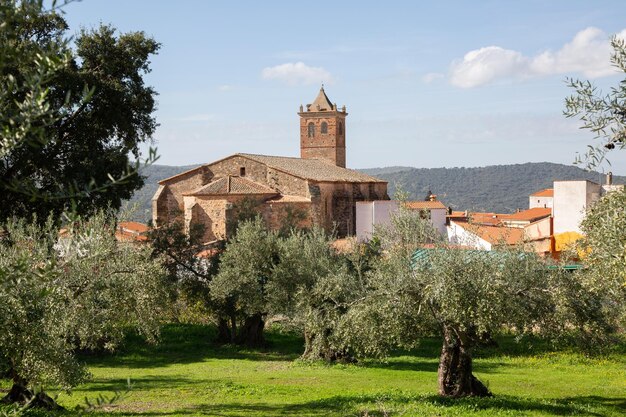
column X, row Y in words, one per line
column 497, row 188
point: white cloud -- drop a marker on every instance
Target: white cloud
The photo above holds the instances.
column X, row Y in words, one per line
column 297, row 74
column 587, row 53
column 224, row 87
column 431, row 77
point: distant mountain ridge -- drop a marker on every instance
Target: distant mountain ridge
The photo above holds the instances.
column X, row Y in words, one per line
column 497, row 188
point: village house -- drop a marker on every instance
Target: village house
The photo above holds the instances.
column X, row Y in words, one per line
column 316, row 188
column 373, row 214
column 549, row 226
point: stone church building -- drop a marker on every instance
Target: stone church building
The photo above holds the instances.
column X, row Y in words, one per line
column 317, row 185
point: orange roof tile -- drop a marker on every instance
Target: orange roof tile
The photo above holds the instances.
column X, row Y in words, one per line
column 548, row 192
column 529, row 215
column 133, row 227
column 288, row 199
column 485, row 218
column 123, row 236
column 495, row 234
column 421, row 205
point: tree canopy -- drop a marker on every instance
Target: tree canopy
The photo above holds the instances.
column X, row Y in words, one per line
column 69, row 117
column 80, row 291
column 467, row 297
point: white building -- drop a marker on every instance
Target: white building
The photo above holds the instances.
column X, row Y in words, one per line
column 372, row 214
column 541, row 199
column 571, row 201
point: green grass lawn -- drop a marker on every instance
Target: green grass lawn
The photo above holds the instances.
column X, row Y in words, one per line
column 187, row 375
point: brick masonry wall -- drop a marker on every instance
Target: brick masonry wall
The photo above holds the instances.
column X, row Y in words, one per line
column 330, row 145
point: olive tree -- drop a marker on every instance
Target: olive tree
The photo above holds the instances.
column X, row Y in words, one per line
column 602, row 114
column 62, row 291
column 312, row 288
column 603, row 250
column 464, row 295
column 238, row 291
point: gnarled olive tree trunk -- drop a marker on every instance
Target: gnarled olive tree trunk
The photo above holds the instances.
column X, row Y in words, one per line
column 21, row 394
column 317, row 346
column 455, row 366
column 251, row 332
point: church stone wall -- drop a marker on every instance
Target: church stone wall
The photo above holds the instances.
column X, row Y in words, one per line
column 254, row 171
column 336, row 207
column 287, row 184
column 277, row 215
column 168, row 203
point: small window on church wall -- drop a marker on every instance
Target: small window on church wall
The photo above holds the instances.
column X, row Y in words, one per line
column 311, row 130
column 324, row 128
column 242, row 171
column 340, row 128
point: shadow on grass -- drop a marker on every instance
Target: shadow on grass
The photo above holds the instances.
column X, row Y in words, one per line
column 400, row 404
column 428, row 366
column 146, row 383
column 184, row 344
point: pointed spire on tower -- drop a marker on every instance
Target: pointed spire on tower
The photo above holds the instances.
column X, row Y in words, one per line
column 321, row 102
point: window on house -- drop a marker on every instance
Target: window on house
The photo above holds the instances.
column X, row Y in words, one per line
column 311, row 130
column 324, row 128
column 340, row 128
column 242, row 171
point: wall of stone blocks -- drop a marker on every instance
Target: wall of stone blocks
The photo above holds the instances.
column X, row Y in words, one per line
column 287, row 184
column 255, row 171
column 276, row 214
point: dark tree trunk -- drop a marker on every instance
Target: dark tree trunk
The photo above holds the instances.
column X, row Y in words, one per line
column 251, row 333
column 20, row 394
column 325, row 353
column 224, row 334
column 455, row 367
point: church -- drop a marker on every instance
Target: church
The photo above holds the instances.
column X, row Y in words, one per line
column 315, row 189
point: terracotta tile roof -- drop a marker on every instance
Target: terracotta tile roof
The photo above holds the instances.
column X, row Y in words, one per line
column 457, row 214
column 131, row 232
column 133, row 227
column 182, row 174
column 495, row 234
column 477, row 217
column 123, row 236
column 548, row 192
column 312, row 169
column 419, row 205
column 232, row 185
column 529, row 215
column 289, row 199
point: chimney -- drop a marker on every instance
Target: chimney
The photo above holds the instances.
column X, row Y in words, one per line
column 609, row 178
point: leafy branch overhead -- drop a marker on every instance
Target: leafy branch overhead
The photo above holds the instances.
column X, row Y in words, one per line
column 603, row 114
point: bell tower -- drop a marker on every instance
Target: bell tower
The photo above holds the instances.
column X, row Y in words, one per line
column 323, row 131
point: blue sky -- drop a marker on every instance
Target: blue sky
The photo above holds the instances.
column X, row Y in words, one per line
column 426, row 84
